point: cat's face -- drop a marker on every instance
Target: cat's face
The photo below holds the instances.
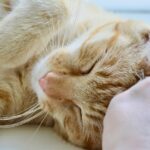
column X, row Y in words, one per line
column 90, row 71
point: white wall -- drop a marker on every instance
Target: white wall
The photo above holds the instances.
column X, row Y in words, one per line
column 124, row 4
column 130, row 9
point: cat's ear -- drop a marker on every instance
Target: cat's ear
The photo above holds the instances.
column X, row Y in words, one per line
column 137, row 30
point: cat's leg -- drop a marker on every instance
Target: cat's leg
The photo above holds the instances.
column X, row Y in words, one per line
column 28, row 28
column 23, row 33
column 10, row 93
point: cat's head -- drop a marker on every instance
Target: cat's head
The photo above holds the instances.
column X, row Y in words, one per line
column 86, row 74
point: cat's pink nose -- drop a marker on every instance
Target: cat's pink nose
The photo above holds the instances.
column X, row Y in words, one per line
column 49, row 83
column 47, row 79
column 42, row 83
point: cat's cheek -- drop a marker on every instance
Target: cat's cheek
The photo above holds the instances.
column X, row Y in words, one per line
column 45, row 105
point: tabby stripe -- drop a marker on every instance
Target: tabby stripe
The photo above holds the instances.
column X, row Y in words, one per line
column 104, row 74
column 109, row 85
column 5, row 100
column 92, row 117
column 101, row 112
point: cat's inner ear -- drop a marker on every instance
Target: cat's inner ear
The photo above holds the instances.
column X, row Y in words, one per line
column 146, row 36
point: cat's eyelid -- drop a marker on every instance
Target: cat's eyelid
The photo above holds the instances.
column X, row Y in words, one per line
column 87, row 70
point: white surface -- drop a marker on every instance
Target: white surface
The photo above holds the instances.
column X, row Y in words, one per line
column 29, row 138
column 24, row 138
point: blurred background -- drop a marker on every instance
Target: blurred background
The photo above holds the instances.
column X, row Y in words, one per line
column 133, row 9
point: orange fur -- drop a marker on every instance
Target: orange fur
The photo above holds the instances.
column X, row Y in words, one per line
column 85, row 68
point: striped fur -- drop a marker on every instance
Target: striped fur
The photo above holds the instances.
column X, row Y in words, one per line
column 94, row 54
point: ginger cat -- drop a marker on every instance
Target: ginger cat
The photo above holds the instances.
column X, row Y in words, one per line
column 71, row 58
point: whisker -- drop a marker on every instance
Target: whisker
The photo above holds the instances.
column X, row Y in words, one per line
column 21, row 122
column 58, row 39
column 54, row 41
column 42, row 39
column 38, row 128
column 30, row 110
column 74, row 22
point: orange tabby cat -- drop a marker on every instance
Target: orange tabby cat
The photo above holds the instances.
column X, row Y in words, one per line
column 70, row 57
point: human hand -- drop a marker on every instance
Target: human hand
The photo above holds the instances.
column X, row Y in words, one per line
column 127, row 121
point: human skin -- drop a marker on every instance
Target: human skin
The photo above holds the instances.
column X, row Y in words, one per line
column 127, row 121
